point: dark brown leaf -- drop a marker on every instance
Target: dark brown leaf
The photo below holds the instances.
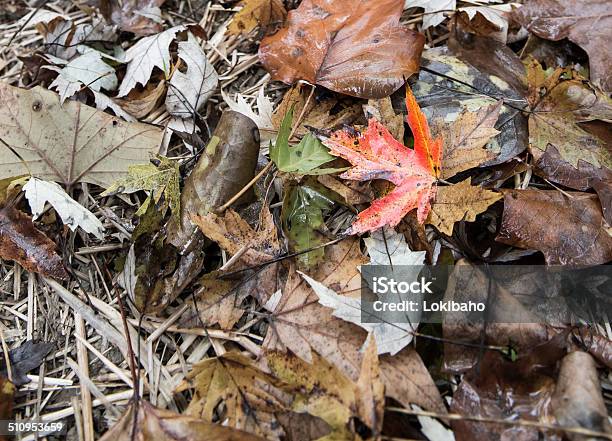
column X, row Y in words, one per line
column 355, row 48
column 7, row 395
column 22, row 242
column 25, row 358
column 568, row 231
column 588, row 23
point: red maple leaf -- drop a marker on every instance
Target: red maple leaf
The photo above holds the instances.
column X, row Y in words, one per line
column 375, row 154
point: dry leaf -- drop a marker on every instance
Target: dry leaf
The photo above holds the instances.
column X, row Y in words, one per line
column 568, row 230
column 70, row 143
column 22, row 242
column 371, row 390
column 7, row 396
column 360, row 50
column 465, row 139
column 316, row 114
column 459, row 202
column 189, row 91
column 382, row 110
column 587, row 23
column 146, row 54
column 73, row 214
column 434, row 10
column 154, row 424
column 25, row 358
column 580, row 403
column 140, row 104
column 257, row 13
column 250, row 396
column 141, row 17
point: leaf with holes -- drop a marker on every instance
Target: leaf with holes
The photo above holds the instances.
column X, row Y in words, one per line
column 70, row 143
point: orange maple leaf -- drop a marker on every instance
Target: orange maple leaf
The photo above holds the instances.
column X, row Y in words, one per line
column 375, row 154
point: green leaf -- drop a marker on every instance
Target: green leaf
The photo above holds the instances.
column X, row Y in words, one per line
column 302, row 217
column 303, row 158
column 158, row 181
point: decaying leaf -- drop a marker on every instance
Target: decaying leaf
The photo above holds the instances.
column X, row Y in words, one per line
column 70, row 143
column 360, row 50
column 482, row 72
column 87, row 70
column 160, row 180
column 7, row 395
column 315, row 113
column 459, row 202
column 189, row 91
column 233, row 234
column 73, row 214
column 382, row 110
column 257, row 13
column 22, row 242
column 25, row 358
column 580, row 403
column 140, row 104
column 564, row 151
column 142, row 17
column 465, row 139
column 585, row 22
column 375, row 154
column 569, row 230
column 144, row 422
column 250, row 396
column 434, row 10
column 146, row 54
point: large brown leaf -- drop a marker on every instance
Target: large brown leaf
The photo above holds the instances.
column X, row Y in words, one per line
column 353, row 47
column 568, row 231
column 70, row 143
column 144, row 422
column 588, row 23
column 22, row 242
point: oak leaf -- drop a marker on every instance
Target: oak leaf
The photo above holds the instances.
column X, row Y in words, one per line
column 257, row 13
column 70, row 143
column 375, row 154
column 357, row 48
column 459, row 202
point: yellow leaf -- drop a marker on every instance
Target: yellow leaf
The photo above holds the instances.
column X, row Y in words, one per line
column 257, row 13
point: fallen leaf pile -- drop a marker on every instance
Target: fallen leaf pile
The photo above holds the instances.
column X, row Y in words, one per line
column 202, row 203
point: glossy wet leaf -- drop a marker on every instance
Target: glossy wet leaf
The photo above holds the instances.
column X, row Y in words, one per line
column 360, row 50
column 585, row 22
column 22, row 242
column 70, row 143
column 375, row 154
column 568, row 230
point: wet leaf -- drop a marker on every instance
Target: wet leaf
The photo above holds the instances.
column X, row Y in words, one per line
column 146, row 54
column 25, row 358
column 144, row 422
column 73, row 214
column 580, row 403
column 377, row 155
column 302, row 217
column 189, row 91
column 459, row 202
column 585, row 22
column 159, row 181
column 303, row 158
column 568, row 230
column 70, row 143
column 444, row 99
column 87, row 70
column 257, row 13
column 22, row 242
column 360, row 51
